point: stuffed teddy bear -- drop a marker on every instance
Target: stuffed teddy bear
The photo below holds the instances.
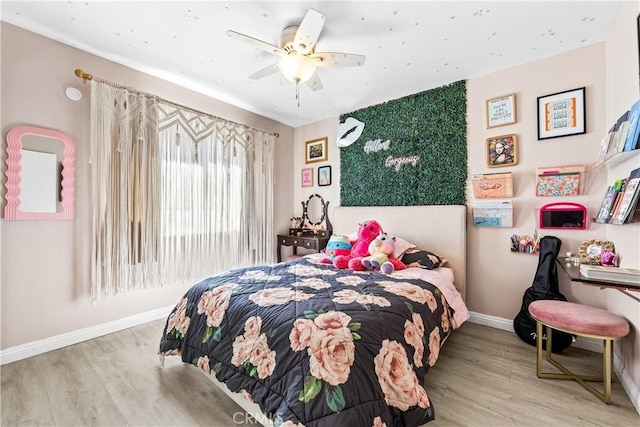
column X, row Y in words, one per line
column 379, row 252
column 367, row 232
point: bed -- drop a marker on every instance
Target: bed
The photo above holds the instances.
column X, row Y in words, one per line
column 301, row 343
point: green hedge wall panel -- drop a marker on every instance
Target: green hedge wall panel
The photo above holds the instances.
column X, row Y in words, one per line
column 431, row 125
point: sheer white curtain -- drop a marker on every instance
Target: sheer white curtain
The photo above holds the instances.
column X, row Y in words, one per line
column 177, row 195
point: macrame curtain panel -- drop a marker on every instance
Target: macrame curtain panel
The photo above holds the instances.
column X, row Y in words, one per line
column 177, row 195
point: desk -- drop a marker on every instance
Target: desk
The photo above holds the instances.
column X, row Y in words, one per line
column 308, row 242
column 573, row 271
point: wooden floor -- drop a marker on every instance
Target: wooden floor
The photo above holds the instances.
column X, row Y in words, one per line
column 485, row 377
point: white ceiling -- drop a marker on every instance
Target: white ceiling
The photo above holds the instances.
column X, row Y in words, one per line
column 409, row 46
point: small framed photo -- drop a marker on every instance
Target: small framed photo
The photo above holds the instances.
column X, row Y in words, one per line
column 501, row 111
column 324, row 176
column 502, row 151
column 316, row 150
column 307, row 177
column 562, row 114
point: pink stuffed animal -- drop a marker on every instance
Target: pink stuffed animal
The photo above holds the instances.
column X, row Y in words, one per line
column 367, row 232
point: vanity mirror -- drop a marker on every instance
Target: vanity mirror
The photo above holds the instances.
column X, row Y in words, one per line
column 40, row 174
column 315, row 212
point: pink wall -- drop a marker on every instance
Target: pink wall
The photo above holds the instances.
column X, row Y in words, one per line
column 45, row 264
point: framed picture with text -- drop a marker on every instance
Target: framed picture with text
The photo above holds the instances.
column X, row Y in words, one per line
column 562, row 114
column 501, row 111
column 316, row 150
column 307, row 177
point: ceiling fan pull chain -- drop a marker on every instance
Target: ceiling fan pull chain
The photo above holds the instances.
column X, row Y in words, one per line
column 298, row 93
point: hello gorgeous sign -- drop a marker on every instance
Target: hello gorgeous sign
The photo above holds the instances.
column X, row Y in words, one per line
column 377, row 145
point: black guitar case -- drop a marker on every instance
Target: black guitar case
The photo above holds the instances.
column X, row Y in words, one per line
column 545, row 286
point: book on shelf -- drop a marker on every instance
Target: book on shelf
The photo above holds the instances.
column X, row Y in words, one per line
column 613, row 144
column 606, row 207
column 631, row 142
column 623, row 130
column 604, row 146
column 628, row 202
column 628, row 199
column 605, row 272
column 619, row 132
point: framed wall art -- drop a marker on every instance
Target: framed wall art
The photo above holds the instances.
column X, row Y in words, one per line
column 307, row 177
column 316, row 150
column 501, row 111
column 562, row 114
column 502, row 151
column 324, row 176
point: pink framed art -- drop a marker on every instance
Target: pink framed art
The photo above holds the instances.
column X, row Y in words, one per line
column 307, row 177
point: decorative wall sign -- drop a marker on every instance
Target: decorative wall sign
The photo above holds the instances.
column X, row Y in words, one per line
column 349, row 131
column 316, row 150
column 376, row 145
column 398, row 162
column 501, row 111
column 562, row 114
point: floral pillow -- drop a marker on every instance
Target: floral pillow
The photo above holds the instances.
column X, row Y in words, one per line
column 422, row 259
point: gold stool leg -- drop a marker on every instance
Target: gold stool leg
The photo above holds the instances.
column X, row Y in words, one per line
column 539, row 349
column 549, row 331
column 606, row 361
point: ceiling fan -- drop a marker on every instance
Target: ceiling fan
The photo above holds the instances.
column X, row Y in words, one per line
column 296, row 48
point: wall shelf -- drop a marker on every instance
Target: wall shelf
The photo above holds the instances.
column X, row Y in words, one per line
column 616, row 159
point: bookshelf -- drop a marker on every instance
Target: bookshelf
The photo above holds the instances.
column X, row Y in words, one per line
column 616, row 159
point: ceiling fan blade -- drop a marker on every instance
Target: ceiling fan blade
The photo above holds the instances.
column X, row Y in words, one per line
column 308, row 31
column 258, row 44
column 314, row 82
column 337, row 59
column 273, row 68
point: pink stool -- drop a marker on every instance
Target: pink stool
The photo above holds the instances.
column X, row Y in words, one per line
column 582, row 320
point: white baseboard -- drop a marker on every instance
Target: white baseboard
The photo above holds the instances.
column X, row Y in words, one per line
column 584, row 343
column 629, row 386
column 507, row 325
column 34, row 348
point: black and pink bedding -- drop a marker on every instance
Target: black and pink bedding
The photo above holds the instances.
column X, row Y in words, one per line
column 313, row 345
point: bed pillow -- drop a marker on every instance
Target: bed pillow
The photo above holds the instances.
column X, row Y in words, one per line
column 401, row 245
column 423, row 259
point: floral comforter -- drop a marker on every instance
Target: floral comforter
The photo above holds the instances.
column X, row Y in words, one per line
column 313, row 345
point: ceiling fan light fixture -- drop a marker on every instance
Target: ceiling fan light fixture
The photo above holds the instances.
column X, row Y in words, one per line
column 296, row 68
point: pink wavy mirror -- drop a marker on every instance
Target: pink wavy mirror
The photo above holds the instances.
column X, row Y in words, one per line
column 33, row 174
